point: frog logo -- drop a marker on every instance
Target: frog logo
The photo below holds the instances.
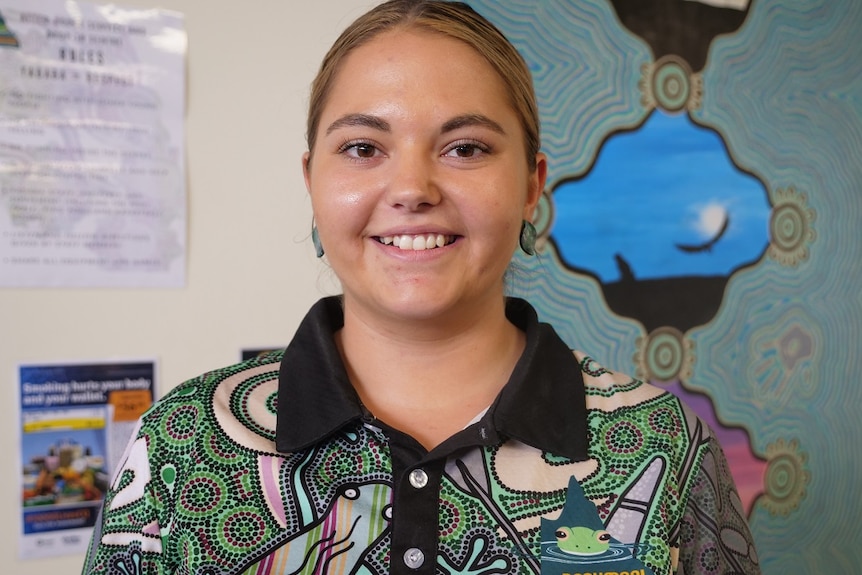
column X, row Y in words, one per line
column 580, row 546
column 578, row 542
column 582, row 540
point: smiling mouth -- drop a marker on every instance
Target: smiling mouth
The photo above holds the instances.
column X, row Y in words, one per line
column 418, row 242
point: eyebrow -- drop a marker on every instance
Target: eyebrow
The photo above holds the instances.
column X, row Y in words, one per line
column 467, row 120
column 377, row 123
column 365, row 120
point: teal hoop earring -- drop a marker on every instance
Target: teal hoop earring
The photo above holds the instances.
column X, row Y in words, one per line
column 527, row 240
column 315, row 239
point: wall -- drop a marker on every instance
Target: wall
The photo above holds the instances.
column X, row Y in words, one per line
column 252, row 273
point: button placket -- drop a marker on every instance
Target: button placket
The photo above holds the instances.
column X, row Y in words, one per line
column 416, row 510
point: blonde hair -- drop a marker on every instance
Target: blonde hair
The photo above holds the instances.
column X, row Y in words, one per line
column 453, row 19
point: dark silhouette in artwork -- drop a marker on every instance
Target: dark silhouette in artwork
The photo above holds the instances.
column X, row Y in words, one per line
column 680, row 27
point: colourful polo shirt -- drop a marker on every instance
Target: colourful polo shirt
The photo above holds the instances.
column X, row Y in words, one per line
column 272, row 466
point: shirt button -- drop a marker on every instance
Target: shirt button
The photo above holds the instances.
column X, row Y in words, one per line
column 418, row 478
column 414, row 558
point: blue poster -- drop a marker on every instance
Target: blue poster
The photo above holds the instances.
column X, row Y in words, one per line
column 75, row 420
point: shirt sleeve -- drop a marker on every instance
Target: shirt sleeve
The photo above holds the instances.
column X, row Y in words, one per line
column 714, row 535
column 128, row 534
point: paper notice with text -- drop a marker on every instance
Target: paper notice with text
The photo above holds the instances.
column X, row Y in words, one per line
column 92, row 174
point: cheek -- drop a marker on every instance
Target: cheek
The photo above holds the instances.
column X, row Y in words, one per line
column 332, row 192
column 349, row 199
column 339, row 213
column 503, row 219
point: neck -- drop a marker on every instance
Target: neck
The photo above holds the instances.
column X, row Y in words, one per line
column 430, row 378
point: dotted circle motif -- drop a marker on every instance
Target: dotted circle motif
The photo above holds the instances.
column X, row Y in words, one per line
column 665, row 354
column 791, row 227
column 787, row 227
column 671, row 85
column 686, row 532
column 786, row 477
column 202, row 495
column 709, row 560
column 624, row 438
column 220, row 449
column 781, row 477
column 242, row 529
column 179, row 426
column 665, row 422
column 341, row 464
column 247, row 396
column 450, row 519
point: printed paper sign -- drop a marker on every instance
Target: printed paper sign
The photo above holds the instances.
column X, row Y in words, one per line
column 92, row 175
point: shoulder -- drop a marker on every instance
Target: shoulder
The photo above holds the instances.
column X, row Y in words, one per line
column 608, row 390
column 235, row 402
column 611, row 395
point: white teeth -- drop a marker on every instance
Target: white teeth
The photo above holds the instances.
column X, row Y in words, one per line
column 416, row 243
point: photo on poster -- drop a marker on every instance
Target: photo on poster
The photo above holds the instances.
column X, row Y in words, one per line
column 75, row 420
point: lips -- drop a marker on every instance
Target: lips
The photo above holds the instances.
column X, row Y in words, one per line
column 417, row 242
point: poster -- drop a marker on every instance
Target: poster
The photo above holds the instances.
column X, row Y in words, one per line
column 252, row 352
column 76, row 420
column 92, row 173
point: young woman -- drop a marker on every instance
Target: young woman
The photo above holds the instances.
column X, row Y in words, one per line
column 422, row 422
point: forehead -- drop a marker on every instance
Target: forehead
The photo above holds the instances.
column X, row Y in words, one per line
column 411, row 62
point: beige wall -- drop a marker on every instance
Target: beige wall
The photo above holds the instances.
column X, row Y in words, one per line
column 251, row 271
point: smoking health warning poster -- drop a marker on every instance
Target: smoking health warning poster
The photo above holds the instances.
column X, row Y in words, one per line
column 76, row 420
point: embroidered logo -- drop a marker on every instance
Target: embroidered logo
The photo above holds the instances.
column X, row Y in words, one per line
column 577, row 542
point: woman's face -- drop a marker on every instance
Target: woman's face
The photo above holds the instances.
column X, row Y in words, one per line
column 418, row 177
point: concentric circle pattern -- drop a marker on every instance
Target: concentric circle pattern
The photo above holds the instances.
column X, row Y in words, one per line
column 665, row 355
column 791, row 227
column 787, row 477
column 670, row 85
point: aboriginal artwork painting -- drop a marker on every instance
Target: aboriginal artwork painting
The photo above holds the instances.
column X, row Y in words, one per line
column 701, row 229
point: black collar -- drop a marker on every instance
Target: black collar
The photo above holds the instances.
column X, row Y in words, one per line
column 542, row 405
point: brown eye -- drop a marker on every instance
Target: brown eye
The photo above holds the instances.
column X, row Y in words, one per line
column 466, row 151
column 561, row 535
column 359, row 149
column 603, row 536
column 364, row 150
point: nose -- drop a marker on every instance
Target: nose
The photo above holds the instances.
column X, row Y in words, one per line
column 412, row 184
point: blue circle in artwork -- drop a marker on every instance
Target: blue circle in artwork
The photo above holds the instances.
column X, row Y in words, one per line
column 663, row 201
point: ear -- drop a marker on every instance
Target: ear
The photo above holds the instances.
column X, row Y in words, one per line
column 536, row 185
column 306, row 171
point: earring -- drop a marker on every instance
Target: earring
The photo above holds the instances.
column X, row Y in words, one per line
column 315, row 239
column 527, row 240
